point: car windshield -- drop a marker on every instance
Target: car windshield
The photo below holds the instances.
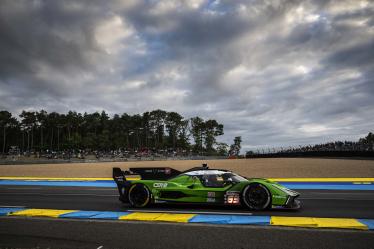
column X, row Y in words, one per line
column 219, row 180
column 234, row 177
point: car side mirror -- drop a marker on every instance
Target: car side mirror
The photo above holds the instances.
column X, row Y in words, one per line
column 229, row 181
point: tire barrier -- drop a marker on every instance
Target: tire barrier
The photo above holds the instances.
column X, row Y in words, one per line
column 307, row 222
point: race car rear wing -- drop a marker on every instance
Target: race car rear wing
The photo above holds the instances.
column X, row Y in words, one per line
column 123, row 184
column 119, row 176
column 157, row 173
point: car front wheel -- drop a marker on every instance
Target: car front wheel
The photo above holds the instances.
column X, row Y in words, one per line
column 256, row 196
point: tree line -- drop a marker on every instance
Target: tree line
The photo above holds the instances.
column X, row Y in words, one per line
column 158, row 129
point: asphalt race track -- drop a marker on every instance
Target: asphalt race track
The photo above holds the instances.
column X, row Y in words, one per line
column 315, row 203
column 66, row 233
column 19, row 232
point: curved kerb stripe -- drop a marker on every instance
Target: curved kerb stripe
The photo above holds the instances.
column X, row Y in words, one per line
column 4, row 211
column 54, row 213
column 94, row 215
column 158, row 217
column 231, row 219
column 344, row 223
column 309, row 222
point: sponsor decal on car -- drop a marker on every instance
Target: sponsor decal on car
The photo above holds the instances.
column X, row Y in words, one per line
column 210, row 199
column 160, row 185
column 211, row 194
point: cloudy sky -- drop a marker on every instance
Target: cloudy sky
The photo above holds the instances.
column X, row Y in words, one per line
column 274, row 72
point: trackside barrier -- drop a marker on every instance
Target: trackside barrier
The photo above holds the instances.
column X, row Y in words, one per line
column 309, row 222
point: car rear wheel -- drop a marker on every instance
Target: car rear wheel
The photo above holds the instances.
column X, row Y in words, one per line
column 256, row 196
column 139, row 195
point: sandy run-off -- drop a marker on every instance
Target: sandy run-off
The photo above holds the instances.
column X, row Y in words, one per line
column 267, row 168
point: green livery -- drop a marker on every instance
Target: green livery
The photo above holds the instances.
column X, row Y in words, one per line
column 201, row 185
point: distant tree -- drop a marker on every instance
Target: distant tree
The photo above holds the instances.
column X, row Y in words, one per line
column 116, row 136
column 51, row 126
column 222, row 149
column 236, row 146
column 249, row 153
column 212, row 130
column 368, row 141
column 197, row 130
column 205, row 133
column 39, row 130
column 157, row 121
column 29, row 122
column 41, row 117
column 6, row 121
column 183, row 135
column 136, row 128
column 370, row 138
column 174, row 122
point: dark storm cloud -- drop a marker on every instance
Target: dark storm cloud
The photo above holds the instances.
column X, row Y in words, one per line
column 185, row 27
column 276, row 73
column 44, row 32
column 361, row 55
column 197, row 40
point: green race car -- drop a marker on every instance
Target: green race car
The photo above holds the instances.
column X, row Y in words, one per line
column 201, row 185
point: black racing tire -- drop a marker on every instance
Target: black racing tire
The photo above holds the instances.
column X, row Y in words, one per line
column 256, row 196
column 139, row 195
